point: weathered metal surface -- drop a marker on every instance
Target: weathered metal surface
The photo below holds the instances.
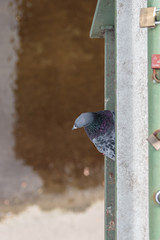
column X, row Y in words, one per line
column 104, row 16
column 154, row 123
column 132, row 123
column 109, row 170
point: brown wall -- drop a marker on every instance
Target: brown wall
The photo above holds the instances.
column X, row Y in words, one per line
column 59, row 75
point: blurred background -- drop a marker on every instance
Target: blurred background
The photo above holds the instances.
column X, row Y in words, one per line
column 50, row 72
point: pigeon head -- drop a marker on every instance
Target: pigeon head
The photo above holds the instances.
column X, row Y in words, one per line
column 100, row 128
column 83, row 120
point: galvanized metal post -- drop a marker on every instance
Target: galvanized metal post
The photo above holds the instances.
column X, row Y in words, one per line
column 154, row 123
column 132, row 122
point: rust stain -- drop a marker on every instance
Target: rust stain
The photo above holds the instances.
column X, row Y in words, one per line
column 111, row 226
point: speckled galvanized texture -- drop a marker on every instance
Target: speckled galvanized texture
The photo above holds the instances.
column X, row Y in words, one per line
column 132, row 123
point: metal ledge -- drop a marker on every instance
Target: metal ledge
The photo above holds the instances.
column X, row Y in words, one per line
column 104, row 16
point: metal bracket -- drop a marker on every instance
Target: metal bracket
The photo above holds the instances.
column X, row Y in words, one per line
column 148, row 17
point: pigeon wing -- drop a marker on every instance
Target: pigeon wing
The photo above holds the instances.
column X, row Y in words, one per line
column 106, row 144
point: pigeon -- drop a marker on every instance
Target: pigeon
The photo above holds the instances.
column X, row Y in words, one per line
column 100, row 128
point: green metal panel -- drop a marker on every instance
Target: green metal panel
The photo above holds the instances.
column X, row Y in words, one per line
column 104, row 16
column 109, row 166
column 154, row 123
column 103, row 27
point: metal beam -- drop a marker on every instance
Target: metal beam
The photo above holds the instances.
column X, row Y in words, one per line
column 109, row 166
column 103, row 27
column 132, row 123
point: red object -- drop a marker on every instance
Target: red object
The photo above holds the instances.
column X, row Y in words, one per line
column 155, row 61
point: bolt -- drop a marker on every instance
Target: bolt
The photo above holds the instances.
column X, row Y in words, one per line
column 157, row 197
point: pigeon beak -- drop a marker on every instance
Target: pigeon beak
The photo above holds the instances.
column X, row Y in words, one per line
column 74, row 127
